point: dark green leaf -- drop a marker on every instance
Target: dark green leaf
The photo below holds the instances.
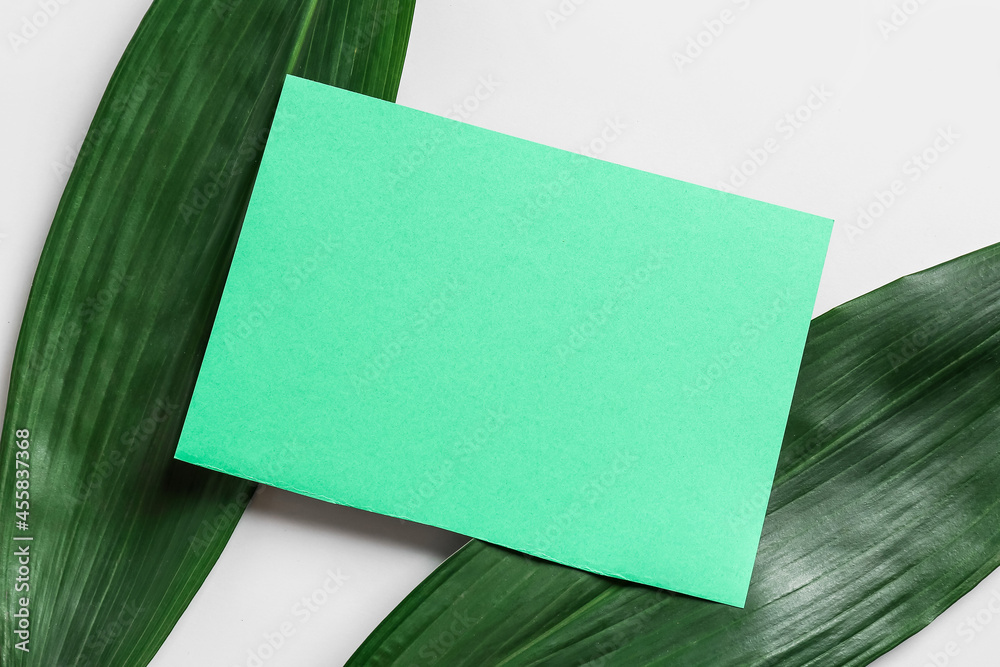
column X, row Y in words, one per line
column 885, row 510
column 120, row 311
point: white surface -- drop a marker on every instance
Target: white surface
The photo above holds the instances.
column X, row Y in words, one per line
column 607, row 62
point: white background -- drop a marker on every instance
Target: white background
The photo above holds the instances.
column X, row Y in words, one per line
column 560, row 82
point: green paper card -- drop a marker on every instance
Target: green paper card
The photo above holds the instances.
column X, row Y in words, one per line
column 585, row 362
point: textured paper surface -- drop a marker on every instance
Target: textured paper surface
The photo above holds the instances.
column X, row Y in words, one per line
column 585, row 362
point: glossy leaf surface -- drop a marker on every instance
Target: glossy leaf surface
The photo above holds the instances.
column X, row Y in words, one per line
column 885, row 510
column 120, row 311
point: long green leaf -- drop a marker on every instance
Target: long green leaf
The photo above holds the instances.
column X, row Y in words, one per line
column 121, row 536
column 885, row 510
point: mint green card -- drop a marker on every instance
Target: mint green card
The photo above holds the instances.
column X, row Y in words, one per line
column 578, row 360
